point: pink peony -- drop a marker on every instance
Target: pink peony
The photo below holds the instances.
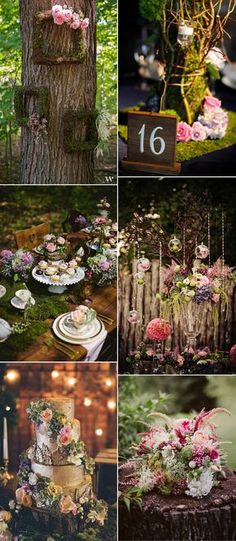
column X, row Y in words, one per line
column 184, row 132
column 100, row 220
column 199, row 132
column 158, row 329
column 51, row 247
column 211, row 103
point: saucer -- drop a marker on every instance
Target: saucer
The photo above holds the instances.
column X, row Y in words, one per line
column 67, row 328
column 2, row 291
column 17, row 303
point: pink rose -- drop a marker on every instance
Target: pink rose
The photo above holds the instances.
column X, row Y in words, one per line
column 211, row 103
column 203, row 281
column 75, row 24
column 61, row 241
column 100, row 220
column 56, row 9
column 213, row 454
column 84, row 24
column 59, row 18
column 184, row 132
column 51, row 247
column 47, row 238
column 64, row 439
column 67, row 15
column 66, row 504
column 199, row 133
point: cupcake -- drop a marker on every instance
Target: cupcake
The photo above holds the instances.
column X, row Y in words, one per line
column 62, row 267
column 42, row 265
column 73, row 264
column 55, row 278
column 70, row 271
column 50, row 271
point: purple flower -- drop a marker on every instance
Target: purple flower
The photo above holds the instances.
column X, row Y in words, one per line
column 6, row 254
column 199, row 132
column 27, row 258
column 104, row 265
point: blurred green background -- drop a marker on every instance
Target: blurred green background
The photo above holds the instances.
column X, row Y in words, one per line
column 177, row 396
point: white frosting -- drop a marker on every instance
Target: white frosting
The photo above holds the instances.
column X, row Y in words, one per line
column 70, row 478
column 66, row 406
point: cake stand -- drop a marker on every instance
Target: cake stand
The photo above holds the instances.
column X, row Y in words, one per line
column 60, row 286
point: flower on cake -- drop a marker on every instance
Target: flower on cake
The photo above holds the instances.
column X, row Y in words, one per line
column 46, row 415
column 67, row 505
column 23, row 498
column 184, row 456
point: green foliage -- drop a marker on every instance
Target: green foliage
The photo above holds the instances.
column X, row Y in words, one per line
column 151, row 9
column 107, row 55
column 133, row 413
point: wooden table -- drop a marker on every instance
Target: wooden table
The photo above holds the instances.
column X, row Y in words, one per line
column 104, row 301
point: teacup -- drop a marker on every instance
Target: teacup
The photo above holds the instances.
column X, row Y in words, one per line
column 5, row 330
column 23, row 296
column 82, row 317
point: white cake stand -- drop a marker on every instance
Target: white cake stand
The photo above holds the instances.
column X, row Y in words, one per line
column 60, row 286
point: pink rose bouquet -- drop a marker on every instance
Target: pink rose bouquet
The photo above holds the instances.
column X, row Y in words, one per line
column 61, row 14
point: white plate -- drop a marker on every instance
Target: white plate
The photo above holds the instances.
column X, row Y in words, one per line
column 72, row 332
column 2, row 291
column 75, row 341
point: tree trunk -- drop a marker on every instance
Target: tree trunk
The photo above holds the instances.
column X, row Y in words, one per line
column 71, row 86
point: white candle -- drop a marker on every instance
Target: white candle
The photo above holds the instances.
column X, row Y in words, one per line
column 5, row 439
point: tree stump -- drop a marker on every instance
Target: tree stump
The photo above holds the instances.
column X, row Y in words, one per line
column 63, row 61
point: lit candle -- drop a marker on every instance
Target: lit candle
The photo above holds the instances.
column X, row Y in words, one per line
column 5, row 440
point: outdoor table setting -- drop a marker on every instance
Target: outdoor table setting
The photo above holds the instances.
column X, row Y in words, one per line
column 58, row 299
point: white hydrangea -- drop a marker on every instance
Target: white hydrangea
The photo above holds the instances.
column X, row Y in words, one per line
column 201, row 486
column 168, row 456
column 146, row 480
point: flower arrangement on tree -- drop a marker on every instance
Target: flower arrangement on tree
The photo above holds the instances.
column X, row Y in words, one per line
column 182, row 457
column 18, row 264
column 103, row 266
column 62, row 14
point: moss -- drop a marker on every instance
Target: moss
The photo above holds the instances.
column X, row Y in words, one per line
column 42, row 104
column 41, row 56
column 193, row 149
column 70, row 119
column 20, row 342
column 151, row 9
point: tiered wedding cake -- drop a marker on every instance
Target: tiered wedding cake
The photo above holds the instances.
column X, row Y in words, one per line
column 55, row 472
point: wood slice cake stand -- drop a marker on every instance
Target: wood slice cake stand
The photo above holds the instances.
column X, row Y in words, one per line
column 182, row 518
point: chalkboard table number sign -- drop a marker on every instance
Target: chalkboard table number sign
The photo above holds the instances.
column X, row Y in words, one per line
column 151, row 143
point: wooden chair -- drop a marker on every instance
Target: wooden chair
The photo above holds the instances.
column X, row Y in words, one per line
column 32, row 237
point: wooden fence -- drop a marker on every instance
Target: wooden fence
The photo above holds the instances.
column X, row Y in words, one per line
column 148, row 308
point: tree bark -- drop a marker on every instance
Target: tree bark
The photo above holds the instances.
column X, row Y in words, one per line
column 71, row 85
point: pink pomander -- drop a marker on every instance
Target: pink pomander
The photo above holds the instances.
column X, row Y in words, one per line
column 158, row 330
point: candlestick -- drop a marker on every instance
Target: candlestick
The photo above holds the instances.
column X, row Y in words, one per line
column 5, row 440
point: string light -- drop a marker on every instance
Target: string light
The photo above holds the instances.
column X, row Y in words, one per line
column 71, row 381
column 12, row 376
column 108, row 383
column 111, row 404
column 99, row 432
column 55, row 374
column 87, row 401
column 8, row 408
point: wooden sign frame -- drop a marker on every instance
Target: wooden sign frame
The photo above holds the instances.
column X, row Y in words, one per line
column 151, row 143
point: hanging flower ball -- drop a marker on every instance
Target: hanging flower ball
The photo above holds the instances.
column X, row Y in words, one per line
column 144, row 264
column 134, row 317
column 158, row 330
column 175, row 245
column 202, row 251
column 140, row 278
